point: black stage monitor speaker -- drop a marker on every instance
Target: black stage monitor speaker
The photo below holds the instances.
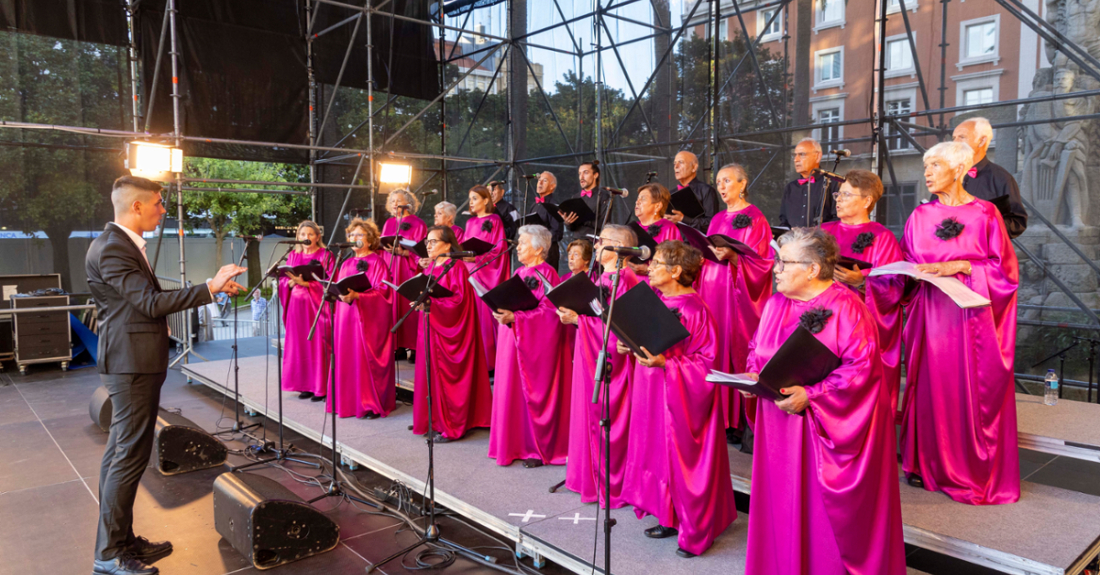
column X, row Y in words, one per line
column 182, row 446
column 100, row 408
column 267, row 523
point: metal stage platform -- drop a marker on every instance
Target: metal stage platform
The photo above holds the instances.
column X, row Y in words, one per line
column 1050, row 531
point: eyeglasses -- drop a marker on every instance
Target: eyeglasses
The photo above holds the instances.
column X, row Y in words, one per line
column 781, row 264
column 430, row 243
column 845, row 195
column 607, row 242
column 654, row 262
column 357, row 235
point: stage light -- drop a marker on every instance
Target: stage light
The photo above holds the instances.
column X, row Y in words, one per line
column 153, row 161
column 400, row 174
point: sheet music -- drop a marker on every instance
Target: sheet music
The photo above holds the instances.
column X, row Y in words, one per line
column 480, row 289
column 963, row 296
column 719, row 376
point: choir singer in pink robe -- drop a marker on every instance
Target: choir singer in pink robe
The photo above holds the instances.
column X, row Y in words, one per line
column 586, row 470
column 461, row 399
column 495, row 266
column 306, row 361
column 860, row 238
column 445, row 213
column 533, row 372
column 737, row 291
column 651, row 209
column 403, row 205
column 824, row 483
column 677, row 465
column 958, row 431
column 365, row 384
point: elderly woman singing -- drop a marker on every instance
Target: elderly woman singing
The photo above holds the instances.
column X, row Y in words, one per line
column 958, row 429
column 533, row 369
column 403, row 205
column 824, row 483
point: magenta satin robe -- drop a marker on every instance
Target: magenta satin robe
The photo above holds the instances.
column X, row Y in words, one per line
column 533, row 378
column 490, row 229
column 882, row 294
column 364, row 346
column 959, row 411
column 305, row 362
column 460, row 233
column 677, row 464
column 461, row 398
column 736, row 295
column 585, row 471
column 664, row 230
column 401, row 269
column 825, row 484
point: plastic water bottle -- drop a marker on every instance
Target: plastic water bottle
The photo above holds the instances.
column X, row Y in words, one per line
column 1050, row 395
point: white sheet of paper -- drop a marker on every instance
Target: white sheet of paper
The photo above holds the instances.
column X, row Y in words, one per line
column 717, row 376
column 963, row 296
column 10, row 291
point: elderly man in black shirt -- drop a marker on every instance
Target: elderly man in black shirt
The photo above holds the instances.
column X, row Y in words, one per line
column 686, row 167
column 547, row 183
column 507, row 212
column 989, row 181
column 802, row 198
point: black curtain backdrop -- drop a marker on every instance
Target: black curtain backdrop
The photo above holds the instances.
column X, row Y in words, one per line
column 99, row 21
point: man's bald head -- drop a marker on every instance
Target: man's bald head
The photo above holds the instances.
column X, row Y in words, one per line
column 685, row 166
column 976, row 133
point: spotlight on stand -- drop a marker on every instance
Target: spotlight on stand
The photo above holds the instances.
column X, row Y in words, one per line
column 399, row 174
column 156, row 162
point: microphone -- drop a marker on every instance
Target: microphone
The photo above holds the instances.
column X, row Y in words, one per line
column 296, row 242
column 530, row 177
column 460, row 255
column 650, row 174
column 834, row 177
column 344, row 245
column 641, row 252
column 618, row 192
column 431, row 193
column 405, row 206
column 842, row 153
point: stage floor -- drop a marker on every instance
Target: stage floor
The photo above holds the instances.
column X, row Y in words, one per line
column 1051, row 530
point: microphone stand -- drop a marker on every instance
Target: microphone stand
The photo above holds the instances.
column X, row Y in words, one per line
column 825, row 189
column 431, row 532
column 237, row 426
column 334, row 488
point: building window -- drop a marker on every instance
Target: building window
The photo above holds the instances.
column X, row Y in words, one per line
column 829, row 134
column 897, row 203
column 979, row 96
column 894, row 140
column 899, row 57
column 724, row 31
column 830, row 68
column 830, row 13
column 979, row 40
column 895, row 6
column 769, row 33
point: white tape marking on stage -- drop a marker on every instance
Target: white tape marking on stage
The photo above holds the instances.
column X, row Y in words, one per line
column 576, row 519
column 527, row 516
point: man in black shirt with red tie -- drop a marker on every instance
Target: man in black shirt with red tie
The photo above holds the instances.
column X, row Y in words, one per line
column 989, row 181
column 686, row 167
column 544, row 189
column 802, row 198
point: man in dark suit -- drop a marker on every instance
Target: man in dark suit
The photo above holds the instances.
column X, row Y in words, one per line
column 503, row 208
column 133, row 363
column 989, row 181
column 804, row 197
column 686, row 168
column 546, row 185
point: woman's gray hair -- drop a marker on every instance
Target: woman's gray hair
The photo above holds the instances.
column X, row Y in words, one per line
column 954, row 153
column 540, row 238
column 739, row 171
column 816, row 246
column 625, row 234
column 410, row 199
column 449, row 209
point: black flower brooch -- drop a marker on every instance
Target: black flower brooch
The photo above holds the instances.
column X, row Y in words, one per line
column 742, row 221
column 654, row 229
column 949, row 228
column 676, row 312
column 486, row 226
column 406, row 226
column 863, row 241
column 362, row 265
column 532, row 283
column 814, row 320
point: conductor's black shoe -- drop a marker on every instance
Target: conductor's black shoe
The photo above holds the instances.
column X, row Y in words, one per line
column 532, row 463
column 149, row 551
column 683, row 553
column 125, row 564
column 317, row 398
column 660, row 532
column 733, row 436
column 305, row 395
column 915, row 480
column 370, row 415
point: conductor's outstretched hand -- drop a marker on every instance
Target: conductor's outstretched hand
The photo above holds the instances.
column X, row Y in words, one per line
column 223, row 280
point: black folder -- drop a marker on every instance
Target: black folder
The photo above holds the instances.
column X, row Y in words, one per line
column 644, row 239
column 778, row 231
column 312, row 271
column 540, row 218
column 412, row 287
column 641, row 319
column 388, row 242
column 851, row 263
column 577, row 206
column 685, row 202
column 577, row 293
column 355, row 282
column 512, row 295
column 701, row 242
column 801, row 360
column 478, row 246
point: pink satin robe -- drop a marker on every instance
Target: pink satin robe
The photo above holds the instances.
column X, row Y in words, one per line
column 825, row 484
column 364, row 345
column 490, row 229
column 959, row 412
column 305, row 362
column 677, row 464
column 401, row 269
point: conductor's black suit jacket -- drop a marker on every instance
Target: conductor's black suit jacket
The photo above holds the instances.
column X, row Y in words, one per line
column 132, row 307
